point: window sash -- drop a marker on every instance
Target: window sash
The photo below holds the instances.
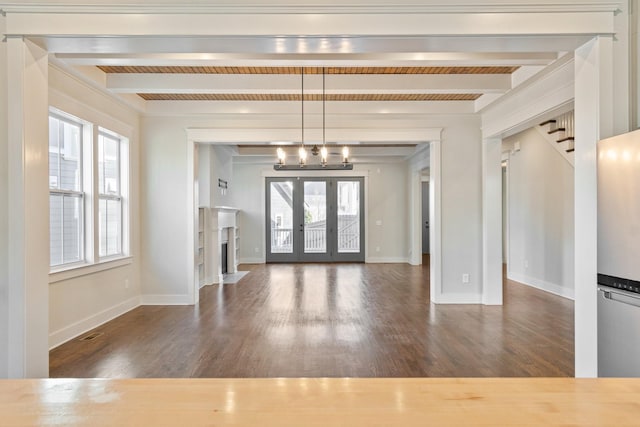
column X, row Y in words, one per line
column 107, row 136
column 103, row 232
column 59, row 151
column 81, row 231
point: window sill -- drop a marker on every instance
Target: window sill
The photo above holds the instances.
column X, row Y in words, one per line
column 86, row 269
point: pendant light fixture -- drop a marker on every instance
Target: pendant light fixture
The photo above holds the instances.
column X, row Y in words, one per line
column 323, row 151
column 302, row 153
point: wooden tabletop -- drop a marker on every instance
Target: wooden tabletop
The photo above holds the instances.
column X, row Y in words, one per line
column 322, row 402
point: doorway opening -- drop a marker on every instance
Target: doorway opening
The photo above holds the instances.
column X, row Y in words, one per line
column 315, row 219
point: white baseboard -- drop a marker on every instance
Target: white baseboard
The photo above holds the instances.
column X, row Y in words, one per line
column 386, row 260
column 251, row 260
column 458, row 299
column 552, row 288
column 165, row 300
column 78, row 328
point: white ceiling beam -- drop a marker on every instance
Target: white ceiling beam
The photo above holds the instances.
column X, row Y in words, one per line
column 309, row 6
column 251, row 110
column 327, row 24
column 298, row 60
column 262, row 135
column 291, row 84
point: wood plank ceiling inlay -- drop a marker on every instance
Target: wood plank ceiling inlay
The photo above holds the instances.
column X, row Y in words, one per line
column 307, row 70
column 309, row 97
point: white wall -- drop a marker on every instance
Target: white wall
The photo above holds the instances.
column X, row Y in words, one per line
column 163, row 179
column 81, row 303
column 541, row 226
column 221, row 168
column 4, row 202
column 214, row 163
column 386, row 202
column 246, row 195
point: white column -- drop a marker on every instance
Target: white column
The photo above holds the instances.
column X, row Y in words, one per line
column 28, row 290
column 594, row 120
column 492, row 222
column 415, row 217
column 435, row 221
column 4, row 210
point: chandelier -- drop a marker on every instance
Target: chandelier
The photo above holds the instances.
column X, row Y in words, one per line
column 315, row 151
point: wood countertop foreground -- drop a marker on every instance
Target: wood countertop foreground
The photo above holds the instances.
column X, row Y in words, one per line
column 322, row 402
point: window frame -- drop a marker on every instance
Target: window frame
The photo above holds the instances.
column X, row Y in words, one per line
column 88, row 156
column 63, row 193
column 119, row 196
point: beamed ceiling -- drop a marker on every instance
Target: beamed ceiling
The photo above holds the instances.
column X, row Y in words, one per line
column 418, row 93
column 361, row 100
column 393, row 80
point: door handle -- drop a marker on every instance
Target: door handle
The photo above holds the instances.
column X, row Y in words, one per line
column 301, row 227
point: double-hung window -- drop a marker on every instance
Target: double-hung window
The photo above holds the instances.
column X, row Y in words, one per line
column 110, row 195
column 88, row 193
column 66, row 195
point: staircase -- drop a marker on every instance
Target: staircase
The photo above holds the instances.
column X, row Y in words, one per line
column 560, row 133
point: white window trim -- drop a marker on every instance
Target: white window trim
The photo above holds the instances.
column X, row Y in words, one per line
column 82, row 193
column 92, row 263
column 124, row 170
column 84, row 269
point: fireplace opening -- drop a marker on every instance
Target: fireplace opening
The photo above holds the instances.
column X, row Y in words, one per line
column 224, row 257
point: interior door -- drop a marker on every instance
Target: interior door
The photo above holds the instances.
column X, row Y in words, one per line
column 313, row 219
column 425, row 217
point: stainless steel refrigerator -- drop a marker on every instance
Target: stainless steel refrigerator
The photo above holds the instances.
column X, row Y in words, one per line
column 619, row 256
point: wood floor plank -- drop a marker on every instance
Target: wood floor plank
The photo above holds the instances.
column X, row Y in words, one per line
column 330, row 320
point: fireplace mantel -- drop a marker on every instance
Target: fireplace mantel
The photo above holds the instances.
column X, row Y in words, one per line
column 221, row 218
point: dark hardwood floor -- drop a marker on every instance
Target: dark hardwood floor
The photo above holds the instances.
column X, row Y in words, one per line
column 330, row 320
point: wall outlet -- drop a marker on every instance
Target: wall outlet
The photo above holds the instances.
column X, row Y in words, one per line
column 256, row 250
column 526, row 263
column 377, row 248
column 378, row 222
column 465, row 278
column 126, row 283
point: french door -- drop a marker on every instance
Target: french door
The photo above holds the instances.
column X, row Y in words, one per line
column 312, row 219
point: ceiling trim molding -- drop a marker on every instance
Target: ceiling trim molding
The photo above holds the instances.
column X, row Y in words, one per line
column 139, row 7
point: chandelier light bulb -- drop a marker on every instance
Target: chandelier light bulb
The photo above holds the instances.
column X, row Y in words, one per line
column 345, row 154
column 303, row 155
column 324, row 153
column 281, row 156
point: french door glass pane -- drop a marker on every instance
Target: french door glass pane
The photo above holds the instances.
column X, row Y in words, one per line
column 348, row 216
column 281, row 206
column 315, row 217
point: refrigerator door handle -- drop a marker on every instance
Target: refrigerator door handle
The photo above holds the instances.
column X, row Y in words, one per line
column 611, row 296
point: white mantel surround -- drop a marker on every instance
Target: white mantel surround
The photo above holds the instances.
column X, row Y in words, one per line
column 223, row 217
